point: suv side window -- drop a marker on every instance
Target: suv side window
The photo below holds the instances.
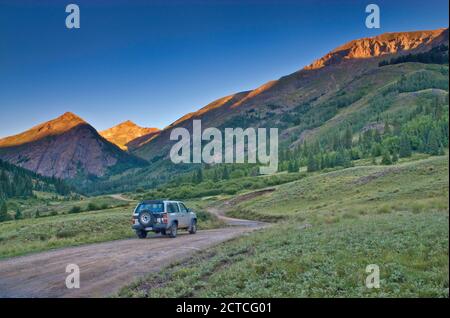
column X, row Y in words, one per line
column 182, row 207
column 172, row 208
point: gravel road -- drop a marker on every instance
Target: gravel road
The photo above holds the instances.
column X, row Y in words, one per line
column 106, row 267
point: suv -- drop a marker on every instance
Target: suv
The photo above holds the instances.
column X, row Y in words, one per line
column 162, row 216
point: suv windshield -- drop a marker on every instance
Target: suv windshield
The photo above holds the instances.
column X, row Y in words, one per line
column 152, row 207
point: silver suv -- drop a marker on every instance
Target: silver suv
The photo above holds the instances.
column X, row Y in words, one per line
column 163, row 216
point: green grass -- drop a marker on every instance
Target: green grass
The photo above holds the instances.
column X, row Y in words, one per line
column 287, row 260
column 20, row 237
column 46, row 204
column 228, row 187
column 328, row 197
column 330, row 227
column 205, row 220
column 33, row 235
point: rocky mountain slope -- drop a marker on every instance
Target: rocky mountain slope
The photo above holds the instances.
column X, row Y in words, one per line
column 384, row 44
column 63, row 147
column 347, row 68
column 124, row 135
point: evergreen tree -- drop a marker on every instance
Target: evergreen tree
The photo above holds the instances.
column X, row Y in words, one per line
column 387, row 128
column 394, row 157
column 312, row 163
column 348, row 136
column 377, row 136
column 376, row 150
column 290, row 168
column 405, row 146
column 3, row 212
column 293, row 166
column 199, row 178
column 437, row 108
column 225, row 173
column 215, row 176
column 433, row 146
column 386, row 159
column 343, row 158
column 18, row 215
column 296, row 166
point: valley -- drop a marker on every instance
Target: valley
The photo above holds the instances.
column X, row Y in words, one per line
column 362, row 179
column 326, row 228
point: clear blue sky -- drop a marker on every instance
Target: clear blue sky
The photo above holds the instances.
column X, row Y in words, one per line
column 154, row 61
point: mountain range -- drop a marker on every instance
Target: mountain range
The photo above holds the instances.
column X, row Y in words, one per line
column 64, row 148
column 298, row 104
column 345, row 68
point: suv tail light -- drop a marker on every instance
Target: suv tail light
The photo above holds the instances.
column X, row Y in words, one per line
column 164, row 218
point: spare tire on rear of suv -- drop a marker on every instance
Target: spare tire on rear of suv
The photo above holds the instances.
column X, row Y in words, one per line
column 145, row 218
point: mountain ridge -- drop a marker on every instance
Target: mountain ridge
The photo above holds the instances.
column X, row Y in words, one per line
column 66, row 121
column 64, row 147
column 309, row 83
column 125, row 133
column 383, row 44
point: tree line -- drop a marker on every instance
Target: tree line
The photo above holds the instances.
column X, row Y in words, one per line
column 437, row 55
column 424, row 130
column 16, row 182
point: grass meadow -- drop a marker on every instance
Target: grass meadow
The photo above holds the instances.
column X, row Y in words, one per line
column 329, row 228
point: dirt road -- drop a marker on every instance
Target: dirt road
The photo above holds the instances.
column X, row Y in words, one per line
column 121, row 197
column 106, row 267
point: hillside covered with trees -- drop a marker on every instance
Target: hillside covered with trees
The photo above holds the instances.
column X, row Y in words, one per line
column 16, row 182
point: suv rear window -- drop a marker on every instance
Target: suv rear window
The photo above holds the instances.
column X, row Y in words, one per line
column 152, row 207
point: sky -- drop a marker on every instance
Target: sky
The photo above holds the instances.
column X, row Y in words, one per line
column 154, row 61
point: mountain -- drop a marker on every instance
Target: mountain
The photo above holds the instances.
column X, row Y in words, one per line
column 124, row 135
column 384, row 44
column 351, row 67
column 64, row 147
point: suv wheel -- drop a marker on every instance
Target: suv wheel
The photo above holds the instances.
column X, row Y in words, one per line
column 173, row 230
column 193, row 227
column 141, row 234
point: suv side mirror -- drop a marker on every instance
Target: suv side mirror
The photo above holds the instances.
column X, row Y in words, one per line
column 189, row 210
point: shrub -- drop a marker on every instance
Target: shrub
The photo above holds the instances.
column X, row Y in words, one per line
column 4, row 216
column 75, row 209
column 384, row 209
column 18, row 215
column 231, row 190
column 92, row 207
column 66, row 233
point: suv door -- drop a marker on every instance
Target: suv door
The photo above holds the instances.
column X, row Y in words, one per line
column 184, row 214
column 174, row 210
